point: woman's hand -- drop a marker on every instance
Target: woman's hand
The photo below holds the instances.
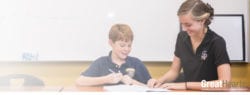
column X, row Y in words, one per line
column 174, row 86
column 153, row 83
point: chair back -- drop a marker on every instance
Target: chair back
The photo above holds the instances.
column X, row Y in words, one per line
column 27, row 80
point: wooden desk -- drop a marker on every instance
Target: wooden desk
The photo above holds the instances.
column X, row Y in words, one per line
column 83, row 89
column 236, row 89
column 100, row 89
column 31, row 89
column 65, row 73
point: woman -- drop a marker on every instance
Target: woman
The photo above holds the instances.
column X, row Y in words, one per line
column 199, row 51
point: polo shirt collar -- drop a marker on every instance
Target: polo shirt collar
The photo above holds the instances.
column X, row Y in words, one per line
column 111, row 62
column 206, row 39
column 208, row 36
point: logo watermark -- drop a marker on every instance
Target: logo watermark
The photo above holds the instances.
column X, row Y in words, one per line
column 224, row 83
column 29, row 56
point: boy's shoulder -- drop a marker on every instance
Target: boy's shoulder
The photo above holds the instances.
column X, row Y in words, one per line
column 134, row 60
column 106, row 59
column 101, row 59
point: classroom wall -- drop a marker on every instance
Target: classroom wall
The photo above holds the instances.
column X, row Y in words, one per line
column 242, row 7
column 65, row 73
column 248, row 48
column 247, row 32
column 64, row 30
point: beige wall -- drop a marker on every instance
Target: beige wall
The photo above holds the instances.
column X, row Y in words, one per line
column 64, row 74
column 248, row 31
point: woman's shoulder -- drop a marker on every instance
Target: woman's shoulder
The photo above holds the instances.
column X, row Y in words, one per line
column 182, row 33
column 182, row 36
column 216, row 37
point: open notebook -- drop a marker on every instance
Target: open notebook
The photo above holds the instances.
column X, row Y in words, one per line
column 132, row 88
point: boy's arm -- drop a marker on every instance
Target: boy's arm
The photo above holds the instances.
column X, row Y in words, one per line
column 135, row 82
column 94, row 81
column 129, row 81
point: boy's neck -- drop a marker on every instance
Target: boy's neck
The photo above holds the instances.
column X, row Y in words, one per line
column 117, row 60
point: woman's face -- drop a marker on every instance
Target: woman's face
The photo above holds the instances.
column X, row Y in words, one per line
column 191, row 26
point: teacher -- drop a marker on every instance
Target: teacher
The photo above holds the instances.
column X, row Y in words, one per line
column 199, row 51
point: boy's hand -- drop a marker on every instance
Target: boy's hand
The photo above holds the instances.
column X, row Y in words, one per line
column 114, row 78
column 127, row 80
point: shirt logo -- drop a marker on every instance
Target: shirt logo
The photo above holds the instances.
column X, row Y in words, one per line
column 204, row 55
column 130, row 72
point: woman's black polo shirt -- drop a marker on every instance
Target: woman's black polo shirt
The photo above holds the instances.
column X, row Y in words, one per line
column 201, row 65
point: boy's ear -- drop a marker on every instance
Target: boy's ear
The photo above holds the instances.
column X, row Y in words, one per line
column 110, row 42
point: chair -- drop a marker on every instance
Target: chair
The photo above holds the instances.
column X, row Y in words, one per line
column 28, row 80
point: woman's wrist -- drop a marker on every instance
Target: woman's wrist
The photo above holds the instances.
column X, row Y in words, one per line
column 160, row 82
column 186, row 86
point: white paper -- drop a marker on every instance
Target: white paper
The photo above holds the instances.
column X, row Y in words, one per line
column 132, row 88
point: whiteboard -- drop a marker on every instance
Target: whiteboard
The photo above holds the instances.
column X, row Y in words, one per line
column 231, row 28
column 77, row 30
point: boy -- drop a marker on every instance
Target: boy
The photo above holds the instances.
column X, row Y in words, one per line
column 117, row 67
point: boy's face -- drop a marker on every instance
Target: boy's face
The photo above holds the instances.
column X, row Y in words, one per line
column 120, row 49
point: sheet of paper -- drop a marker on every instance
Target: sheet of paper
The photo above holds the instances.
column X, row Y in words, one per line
column 132, row 88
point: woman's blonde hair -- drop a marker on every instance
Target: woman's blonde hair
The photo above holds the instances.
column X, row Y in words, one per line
column 198, row 9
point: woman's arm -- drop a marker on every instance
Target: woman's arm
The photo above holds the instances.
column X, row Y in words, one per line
column 173, row 72
column 224, row 75
column 169, row 76
column 224, row 72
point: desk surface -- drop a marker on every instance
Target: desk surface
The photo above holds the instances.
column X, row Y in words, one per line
column 84, row 89
column 101, row 89
column 32, row 88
